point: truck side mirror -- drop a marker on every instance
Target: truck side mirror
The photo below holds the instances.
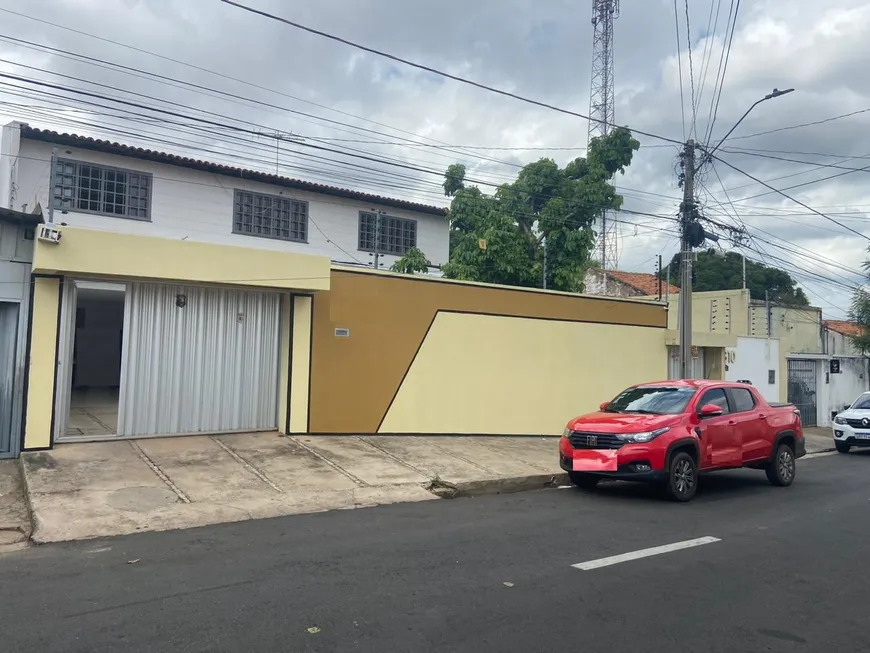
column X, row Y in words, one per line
column 603, row 406
column 710, row 410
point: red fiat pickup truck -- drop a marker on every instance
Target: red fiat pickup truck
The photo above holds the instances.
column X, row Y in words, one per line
column 671, row 431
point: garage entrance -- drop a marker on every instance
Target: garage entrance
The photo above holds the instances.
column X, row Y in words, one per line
column 142, row 359
column 8, row 345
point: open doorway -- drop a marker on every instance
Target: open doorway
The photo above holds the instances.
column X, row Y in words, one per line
column 95, row 373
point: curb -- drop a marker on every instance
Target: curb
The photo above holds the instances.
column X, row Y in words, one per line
column 464, row 489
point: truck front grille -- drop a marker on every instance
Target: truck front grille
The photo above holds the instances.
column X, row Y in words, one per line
column 582, row 440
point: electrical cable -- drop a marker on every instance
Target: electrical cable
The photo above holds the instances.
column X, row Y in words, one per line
column 435, row 71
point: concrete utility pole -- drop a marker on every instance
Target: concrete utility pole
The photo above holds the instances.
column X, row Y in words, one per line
column 379, row 216
column 687, row 216
column 52, row 179
column 544, row 280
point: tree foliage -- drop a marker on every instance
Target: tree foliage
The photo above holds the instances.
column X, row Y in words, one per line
column 500, row 238
column 715, row 271
column 413, row 261
column 860, row 313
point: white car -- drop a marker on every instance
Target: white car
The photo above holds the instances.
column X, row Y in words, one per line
column 852, row 426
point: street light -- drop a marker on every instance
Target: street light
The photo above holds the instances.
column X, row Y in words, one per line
column 773, row 94
column 687, row 209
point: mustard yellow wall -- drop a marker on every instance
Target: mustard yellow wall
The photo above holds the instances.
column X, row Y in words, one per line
column 41, row 368
column 715, row 311
column 108, row 254
column 300, row 363
column 519, row 376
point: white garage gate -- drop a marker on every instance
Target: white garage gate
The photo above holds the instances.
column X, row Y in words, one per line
column 198, row 359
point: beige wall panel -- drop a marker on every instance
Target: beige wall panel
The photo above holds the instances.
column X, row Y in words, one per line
column 515, row 376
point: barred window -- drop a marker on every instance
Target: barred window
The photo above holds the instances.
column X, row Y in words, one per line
column 397, row 235
column 270, row 216
column 89, row 188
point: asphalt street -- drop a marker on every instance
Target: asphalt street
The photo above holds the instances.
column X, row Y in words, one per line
column 780, row 571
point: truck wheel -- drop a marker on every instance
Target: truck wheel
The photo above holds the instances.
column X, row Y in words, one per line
column 781, row 470
column 842, row 447
column 584, row 481
column 682, row 477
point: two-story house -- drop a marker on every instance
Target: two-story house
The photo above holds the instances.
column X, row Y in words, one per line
column 168, row 295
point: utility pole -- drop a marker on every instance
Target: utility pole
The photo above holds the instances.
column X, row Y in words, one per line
column 379, row 215
column 744, row 270
column 659, row 275
column 544, row 283
column 52, row 179
column 687, row 215
column 767, row 309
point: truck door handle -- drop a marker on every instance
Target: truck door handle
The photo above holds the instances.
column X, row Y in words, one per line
column 731, row 423
column 762, row 416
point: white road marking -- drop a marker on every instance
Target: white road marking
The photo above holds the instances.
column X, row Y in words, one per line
column 643, row 553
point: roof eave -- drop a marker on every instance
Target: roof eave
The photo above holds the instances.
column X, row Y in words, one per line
column 107, row 147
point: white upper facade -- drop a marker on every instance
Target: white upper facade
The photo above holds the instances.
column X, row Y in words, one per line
column 100, row 185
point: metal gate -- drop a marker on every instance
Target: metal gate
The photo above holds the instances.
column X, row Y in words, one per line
column 8, row 342
column 802, row 389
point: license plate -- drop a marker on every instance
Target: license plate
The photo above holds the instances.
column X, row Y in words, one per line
column 862, row 436
column 595, row 460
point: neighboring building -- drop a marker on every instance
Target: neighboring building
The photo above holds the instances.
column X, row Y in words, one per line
column 17, row 233
column 838, row 338
column 614, row 283
column 114, row 187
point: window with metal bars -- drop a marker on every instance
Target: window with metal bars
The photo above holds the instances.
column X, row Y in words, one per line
column 270, row 216
column 397, row 235
column 89, row 188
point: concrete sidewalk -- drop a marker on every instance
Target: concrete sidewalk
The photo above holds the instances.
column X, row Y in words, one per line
column 14, row 514
column 82, row 491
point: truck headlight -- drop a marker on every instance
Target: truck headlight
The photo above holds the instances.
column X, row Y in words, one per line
column 645, row 436
column 839, row 420
column 566, row 433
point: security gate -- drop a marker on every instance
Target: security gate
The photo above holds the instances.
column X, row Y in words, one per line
column 802, row 389
column 8, row 342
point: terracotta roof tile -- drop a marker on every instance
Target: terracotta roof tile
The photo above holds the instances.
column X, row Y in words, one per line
column 846, row 328
column 648, row 284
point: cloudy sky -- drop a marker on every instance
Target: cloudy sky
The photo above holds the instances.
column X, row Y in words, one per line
column 257, row 77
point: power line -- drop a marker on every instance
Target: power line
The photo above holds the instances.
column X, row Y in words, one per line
column 724, row 58
column 680, row 66
column 435, row 71
column 789, row 197
column 801, row 125
column 694, row 129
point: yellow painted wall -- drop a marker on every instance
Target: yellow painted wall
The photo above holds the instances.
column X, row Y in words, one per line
column 519, row 376
column 41, row 369
column 300, row 364
column 715, row 311
column 108, row 254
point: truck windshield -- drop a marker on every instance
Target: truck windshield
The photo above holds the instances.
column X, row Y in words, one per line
column 862, row 402
column 652, row 400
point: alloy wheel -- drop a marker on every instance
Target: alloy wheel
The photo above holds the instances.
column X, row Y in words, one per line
column 785, row 462
column 684, row 477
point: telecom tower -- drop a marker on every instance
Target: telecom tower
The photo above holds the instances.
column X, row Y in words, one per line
column 601, row 106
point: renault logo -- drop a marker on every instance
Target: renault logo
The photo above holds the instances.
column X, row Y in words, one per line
column 865, row 422
column 592, row 440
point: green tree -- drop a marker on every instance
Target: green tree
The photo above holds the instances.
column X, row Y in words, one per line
column 413, row 261
column 716, row 271
column 500, row 238
column 860, row 313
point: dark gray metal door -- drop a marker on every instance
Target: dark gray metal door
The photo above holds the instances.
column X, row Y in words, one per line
column 8, row 340
column 802, row 389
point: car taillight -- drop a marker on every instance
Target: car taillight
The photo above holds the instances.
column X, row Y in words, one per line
column 798, row 413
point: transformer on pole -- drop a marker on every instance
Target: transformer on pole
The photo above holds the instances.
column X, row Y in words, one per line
column 601, row 107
